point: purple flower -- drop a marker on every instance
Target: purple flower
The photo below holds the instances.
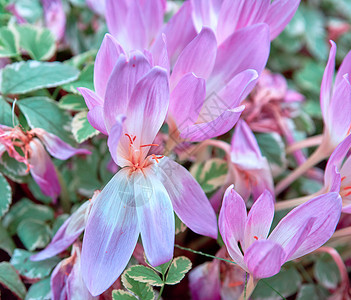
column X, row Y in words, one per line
column 70, row 230
column 209, row 80
column 300, row 232
column 336, row 100
column 141, row 197
column 36, row 157
column 340, row 161
column 135, row 24
column 66, row 279
column 55, row 18
column 252, row 173
column 98, row 6
column 227, row 16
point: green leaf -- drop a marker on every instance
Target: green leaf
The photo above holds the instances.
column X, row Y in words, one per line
column 211, row 174
column 10, row 280
column 309, row 78
column 85, row 79
column 82, row 59
column 272, row 147
column 9, row 44
column 81, row 128
column 286, row 282
column 73, row 102
column 27, row 76
column 326, row 272
column 179, row 225
column 6, row 114
column 31, row 10
column 32, row 269
column 163, row 268
column 122, row 295
column 312, row 292
column 6, row 242
column 179, row 267
column 39, row 42
column 34, row 234
column 144, row 274
column 5, row 196
column 24, row 210
column 142, row 290
column 42, row 112
column 36, row 191
column 12, row 168
column 40, row 290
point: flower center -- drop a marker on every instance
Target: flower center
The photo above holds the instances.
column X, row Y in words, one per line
column 345, row 190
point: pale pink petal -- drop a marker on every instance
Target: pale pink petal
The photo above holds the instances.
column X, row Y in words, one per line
column 325, row 209
column 114, row 136
column 279, row 15
column 189, row 201
column 106, row 59
column 91, row 98
column 205, row 13
column 160, row 54
column 58, row 279
column 327, row 81
column 259, row 219
column 231, row 222
column 155, row 217
column 55, row 17
column 239, row 14
column 264, row 258
column 111, row 234
column 186, row 100
column 345, row 68
column 43, row 170
column 96, row 119
column 197, row 57
column 121, row 84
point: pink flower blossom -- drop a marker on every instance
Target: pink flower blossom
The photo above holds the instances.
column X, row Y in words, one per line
column 300, row 232
column 55, row 18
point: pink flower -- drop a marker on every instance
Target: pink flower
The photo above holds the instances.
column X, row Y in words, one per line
column 141, row 197
column 66, row 279
column 34, row 155
column 336, row 100
column 98, row 6
column 55, row 18
column 252, row 173
column 227, row 16
column 300, row 232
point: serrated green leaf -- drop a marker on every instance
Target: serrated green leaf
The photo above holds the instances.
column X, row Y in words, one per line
column 122, row 295
column 39, row 42
column 179, row 267
column 40, row 290
column 42, row 112
column 6, row 242
column 210, row 174
column 272, row 147
column 6, row 117
column 286, row 282
column 32, row 269
column 142, row 290
column 34, row 234
column 81, row 128
column 9, row 44
column 10, row 280
column 27, row 76
column 144, row 274
column 85, row 79
column 5, row 196
column 73, row 102
column 326, row 272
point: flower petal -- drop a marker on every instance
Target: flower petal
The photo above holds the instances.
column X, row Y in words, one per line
column 114, row 136
column 121, row 84
column 91, row 98
column 197, row 57
column 232, row 219
column 186, row 100
column 43, row 170
column 279, row 15
column 189, row 201
column 106, row 59
column 259, row 219
column 155, row 216
column 247, row 48
column 325, row 209
column 264, row 258
column 345, row 68
column 66, row 235
column 160, row 54
column 327, row 81
column 205, row 13
column 96, row 119
column 111, row 234
column 57, row 147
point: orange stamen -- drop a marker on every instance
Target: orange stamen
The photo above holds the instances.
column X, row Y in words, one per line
column 157, row 158
column 130, row 139
column 148, row 145
column 348, row 194
column 255, row 237
column 343, row 178
column 235, row 283
column 347, row 188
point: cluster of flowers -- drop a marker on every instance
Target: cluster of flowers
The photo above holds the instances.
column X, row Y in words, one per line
column 193, row 73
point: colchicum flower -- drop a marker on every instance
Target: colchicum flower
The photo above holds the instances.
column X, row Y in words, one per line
column 301, row 231
column 141, row 197
column 35, row 156
column 55, row 18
